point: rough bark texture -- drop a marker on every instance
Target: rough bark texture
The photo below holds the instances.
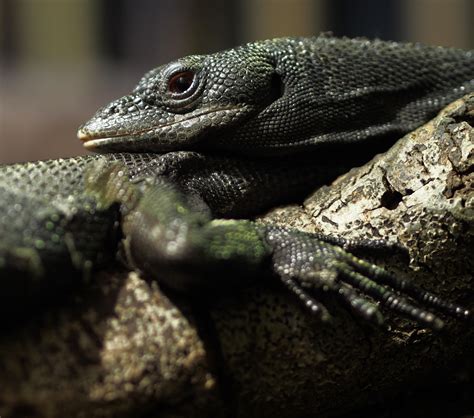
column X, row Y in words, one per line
column 120, row 348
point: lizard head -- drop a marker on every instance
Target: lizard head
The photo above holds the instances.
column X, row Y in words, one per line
column 175, row 106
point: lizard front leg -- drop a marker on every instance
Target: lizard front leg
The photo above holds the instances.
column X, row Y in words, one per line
column 187, row 250
column 51, row 234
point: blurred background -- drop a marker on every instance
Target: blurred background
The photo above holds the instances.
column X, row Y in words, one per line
column 62, row 59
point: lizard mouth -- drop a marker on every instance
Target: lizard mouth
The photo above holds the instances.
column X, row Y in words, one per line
column 162, row 137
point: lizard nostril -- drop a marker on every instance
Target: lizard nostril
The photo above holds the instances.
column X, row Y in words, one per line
column 148, row 100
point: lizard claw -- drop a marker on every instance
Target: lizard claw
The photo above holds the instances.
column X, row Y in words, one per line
column 306, row 262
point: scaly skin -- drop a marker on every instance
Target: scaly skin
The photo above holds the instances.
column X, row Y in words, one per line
column 282, row 97
column 241, row 130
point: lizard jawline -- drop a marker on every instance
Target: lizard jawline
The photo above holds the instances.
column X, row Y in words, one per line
column 155, row 138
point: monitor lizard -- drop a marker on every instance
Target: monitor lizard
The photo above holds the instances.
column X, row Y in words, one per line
column 210, row 138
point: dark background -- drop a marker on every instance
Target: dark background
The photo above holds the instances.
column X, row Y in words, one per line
column 62, row 59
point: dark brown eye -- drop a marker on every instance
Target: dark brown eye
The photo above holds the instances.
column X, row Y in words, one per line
column 181, row 82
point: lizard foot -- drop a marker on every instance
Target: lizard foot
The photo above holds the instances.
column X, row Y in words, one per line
column 184, row 249
column 307, row 262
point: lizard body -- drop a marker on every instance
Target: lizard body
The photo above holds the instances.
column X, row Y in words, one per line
column 237, row 132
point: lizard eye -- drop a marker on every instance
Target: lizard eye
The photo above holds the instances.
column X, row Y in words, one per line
column 182, row 83
column 181, row 87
